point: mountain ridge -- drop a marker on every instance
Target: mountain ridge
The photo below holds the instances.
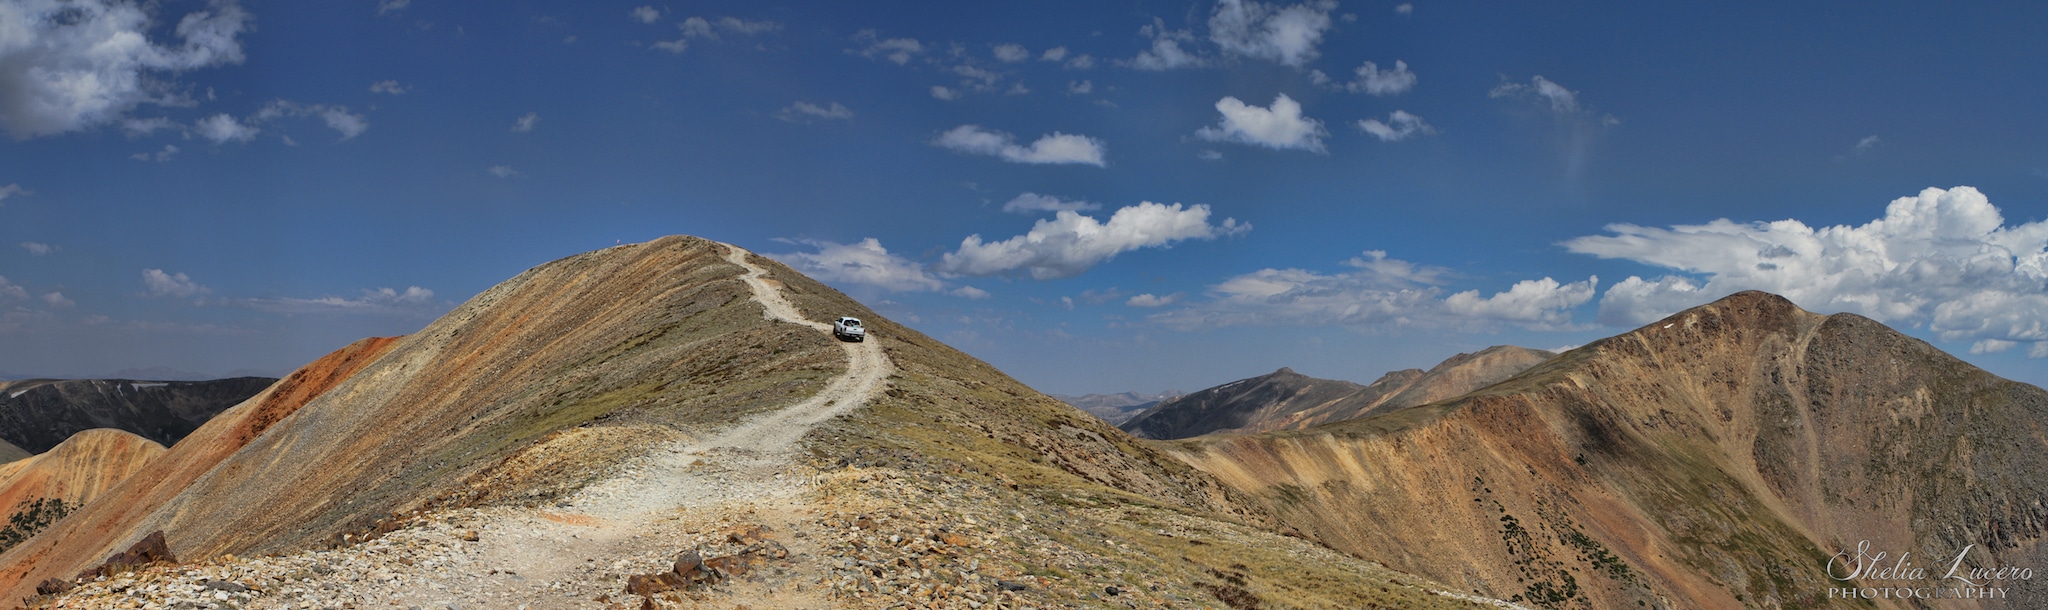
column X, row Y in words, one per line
column 1680, row 464
column 38, row 414
column 1285, row 399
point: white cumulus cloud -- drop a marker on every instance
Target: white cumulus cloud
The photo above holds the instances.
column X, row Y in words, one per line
column 12, row 190
column 35, row 248
column 388, row 86
column 864, row 262
column 1286, row 34
column 1070, row 243
column 1377, row 292
column 1398, row 127
column 1053, row 148
column 1543, row 303
column 1027, row 203
column 1279, row 127
column 1943, row 260
column 645, row 14
column 525, row 122
column 161, row 284
column 72, row 65
column 56, row 299
column 501, row 171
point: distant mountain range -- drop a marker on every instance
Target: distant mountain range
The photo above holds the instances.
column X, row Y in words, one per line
column 37, row 414
column 154, row 373
column 1286, row 400
column 1116, row 408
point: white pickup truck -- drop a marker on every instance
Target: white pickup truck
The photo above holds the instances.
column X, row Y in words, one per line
column 849, row 329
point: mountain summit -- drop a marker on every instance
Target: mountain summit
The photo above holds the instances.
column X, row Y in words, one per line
column 1713, row 459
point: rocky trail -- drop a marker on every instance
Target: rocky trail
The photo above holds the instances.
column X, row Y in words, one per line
column 735, row 496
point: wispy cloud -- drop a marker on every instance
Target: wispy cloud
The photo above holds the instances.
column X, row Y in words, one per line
column 1029, row 203
column 1399, row 126
column 413, row 300
column 1166, row 52
column 222, row 128
column 804, row 112
column 1378, row 292
column 1372, row 80
column 162, row 155
column 1069, row 243
column 1053, row 148
column 178, row 285
column 1560, row 99
column 1011, row 53
column 896, row 50
column 525, row 122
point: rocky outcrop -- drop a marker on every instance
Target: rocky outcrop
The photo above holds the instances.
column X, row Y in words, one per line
column 1714, row 459
column 37, row 414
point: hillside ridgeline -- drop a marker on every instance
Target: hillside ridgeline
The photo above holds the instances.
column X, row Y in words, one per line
column 1286, row 400
column 1714, row 459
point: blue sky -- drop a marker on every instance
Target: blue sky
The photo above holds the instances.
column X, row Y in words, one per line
column 1091, row 196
